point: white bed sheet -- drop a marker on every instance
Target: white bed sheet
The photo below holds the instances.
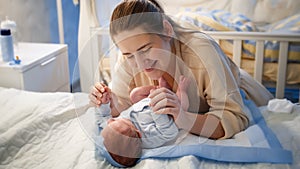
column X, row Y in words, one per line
column 54, row 130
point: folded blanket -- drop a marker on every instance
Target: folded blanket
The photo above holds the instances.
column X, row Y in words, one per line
column 255, row 144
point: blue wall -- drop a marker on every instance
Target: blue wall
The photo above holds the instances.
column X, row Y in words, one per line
column 71, row 21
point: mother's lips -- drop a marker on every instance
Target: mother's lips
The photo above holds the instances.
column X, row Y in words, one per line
column 148, row 70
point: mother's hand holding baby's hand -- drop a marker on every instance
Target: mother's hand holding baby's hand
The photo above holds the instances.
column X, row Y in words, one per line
column 99, row 94
column 164, row 100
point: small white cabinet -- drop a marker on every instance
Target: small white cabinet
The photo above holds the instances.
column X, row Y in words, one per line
column 43, row 68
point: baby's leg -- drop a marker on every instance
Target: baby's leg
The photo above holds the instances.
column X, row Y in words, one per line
column 182, row 92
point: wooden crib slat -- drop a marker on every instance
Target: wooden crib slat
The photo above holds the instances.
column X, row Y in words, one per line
column 259, row 59
column 282, row 66
column 237, row 51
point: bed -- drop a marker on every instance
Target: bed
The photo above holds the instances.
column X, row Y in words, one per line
column 56, row 130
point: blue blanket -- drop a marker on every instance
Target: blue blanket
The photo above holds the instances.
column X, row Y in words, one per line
column 255, row 144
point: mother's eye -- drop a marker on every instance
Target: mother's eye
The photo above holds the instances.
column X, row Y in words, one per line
column 141, row 52
column 146, row 50
column 129, row 56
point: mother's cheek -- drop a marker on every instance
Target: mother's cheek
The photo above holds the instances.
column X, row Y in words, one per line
column 132, row 62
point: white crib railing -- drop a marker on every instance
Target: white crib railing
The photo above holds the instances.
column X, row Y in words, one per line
column 260, row 38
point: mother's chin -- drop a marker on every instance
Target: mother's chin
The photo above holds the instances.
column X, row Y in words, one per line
column 153, row 74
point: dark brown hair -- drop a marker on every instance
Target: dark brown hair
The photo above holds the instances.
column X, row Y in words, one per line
column 130, row 14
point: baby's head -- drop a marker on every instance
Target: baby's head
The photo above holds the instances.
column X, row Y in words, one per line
column 123, row 141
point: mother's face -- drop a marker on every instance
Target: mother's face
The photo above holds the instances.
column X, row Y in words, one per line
column 149, row 53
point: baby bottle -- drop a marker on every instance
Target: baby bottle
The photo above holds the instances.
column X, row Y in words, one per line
column 7, row 47
column 9, row 24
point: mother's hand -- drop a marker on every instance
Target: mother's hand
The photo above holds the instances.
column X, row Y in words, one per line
column 165, row 101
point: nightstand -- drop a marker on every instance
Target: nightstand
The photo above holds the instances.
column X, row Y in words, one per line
column 44, row 68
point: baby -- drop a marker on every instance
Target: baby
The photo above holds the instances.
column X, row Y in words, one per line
column 138, row 127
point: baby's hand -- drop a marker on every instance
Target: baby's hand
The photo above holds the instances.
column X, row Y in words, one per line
column 106, row 97
column 100, row 93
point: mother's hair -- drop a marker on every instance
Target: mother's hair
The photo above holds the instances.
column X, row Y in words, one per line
column 130, row 14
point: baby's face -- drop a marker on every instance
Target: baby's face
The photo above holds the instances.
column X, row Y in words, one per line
column 123, row 126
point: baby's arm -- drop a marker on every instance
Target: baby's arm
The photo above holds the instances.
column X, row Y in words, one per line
column 104, row 108
column 103, row 112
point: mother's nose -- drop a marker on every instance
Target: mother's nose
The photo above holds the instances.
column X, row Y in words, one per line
column 142, row 62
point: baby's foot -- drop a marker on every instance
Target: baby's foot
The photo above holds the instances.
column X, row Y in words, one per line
column 182, row 92
column 183, row 83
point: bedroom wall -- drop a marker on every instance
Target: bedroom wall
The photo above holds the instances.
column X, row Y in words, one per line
column 37, row 22
column 32, row 18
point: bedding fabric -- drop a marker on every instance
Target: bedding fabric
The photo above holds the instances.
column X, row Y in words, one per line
column 55, row 130
column 270, row 71
column 256, row 144
column 220, row 20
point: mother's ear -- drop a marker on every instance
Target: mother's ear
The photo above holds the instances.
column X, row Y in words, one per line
column 168, row 28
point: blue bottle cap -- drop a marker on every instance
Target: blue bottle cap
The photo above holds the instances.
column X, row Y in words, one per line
column 5, row 32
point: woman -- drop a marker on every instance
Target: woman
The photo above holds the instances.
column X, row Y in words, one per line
column 155, row 47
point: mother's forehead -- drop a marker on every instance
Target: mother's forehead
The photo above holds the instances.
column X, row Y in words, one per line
column 129, row 34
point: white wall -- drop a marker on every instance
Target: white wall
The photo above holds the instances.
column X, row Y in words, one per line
column 31, row 16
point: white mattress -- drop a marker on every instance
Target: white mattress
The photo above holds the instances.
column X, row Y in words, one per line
column 54, row 130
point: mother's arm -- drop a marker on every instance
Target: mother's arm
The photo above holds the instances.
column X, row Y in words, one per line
column 165, row 101
column 205, row 125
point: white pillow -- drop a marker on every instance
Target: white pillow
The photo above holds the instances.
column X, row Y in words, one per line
column 266, row 11
column 172, row 7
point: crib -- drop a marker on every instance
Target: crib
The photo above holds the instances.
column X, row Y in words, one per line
column 260, row 37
